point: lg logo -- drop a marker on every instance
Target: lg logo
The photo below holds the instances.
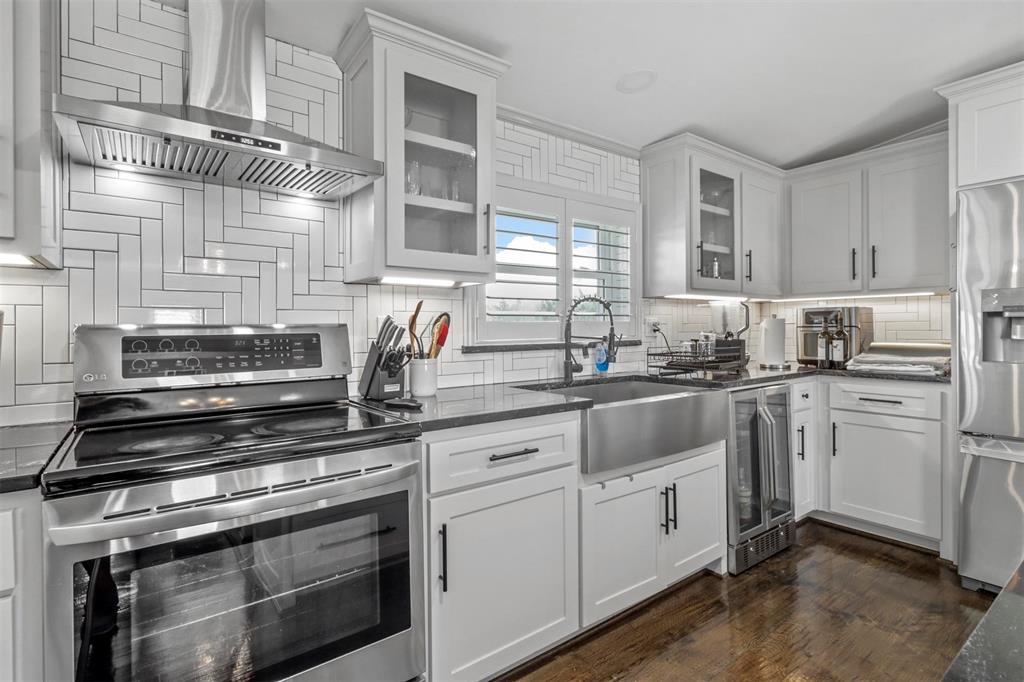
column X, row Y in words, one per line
column 89, row 377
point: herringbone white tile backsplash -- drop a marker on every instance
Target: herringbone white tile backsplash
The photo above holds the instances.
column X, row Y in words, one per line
column 141, row 249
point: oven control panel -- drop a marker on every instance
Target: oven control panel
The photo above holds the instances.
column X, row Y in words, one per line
column 166, row 356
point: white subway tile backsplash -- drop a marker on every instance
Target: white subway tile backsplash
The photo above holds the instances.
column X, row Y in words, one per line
column 28, row 355
column 105, row 288
column 55, row 324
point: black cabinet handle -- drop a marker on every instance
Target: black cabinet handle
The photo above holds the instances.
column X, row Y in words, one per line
column 750, row 266
column 833, row 439
column 664, row 494
column 517, row 453
column 881, row 400
column 700, row 258
column 874, row 261
column 444, row 557
column 805, row 396
column 853, row 261
column 802, row 431
column 675, row 508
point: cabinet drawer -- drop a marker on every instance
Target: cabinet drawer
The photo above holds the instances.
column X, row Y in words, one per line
column 804, row 395
column 886, row 397
column 491, row 452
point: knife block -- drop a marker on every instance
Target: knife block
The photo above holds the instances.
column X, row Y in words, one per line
column 375, row 383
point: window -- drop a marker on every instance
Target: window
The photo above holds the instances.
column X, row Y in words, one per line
column 551, row 248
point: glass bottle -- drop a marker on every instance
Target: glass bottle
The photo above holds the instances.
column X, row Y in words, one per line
column 824, row 346
column 840, row 342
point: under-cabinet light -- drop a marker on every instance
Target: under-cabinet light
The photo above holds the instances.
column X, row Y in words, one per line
column 15, row 259
column 418, row 282
column 710, row 299
column 847, row 298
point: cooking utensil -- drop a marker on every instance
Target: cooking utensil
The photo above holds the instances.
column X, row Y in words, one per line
column 439, row 334
column 421, row 339
column 412, row 323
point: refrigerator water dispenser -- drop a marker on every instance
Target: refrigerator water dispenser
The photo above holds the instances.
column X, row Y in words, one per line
column 1003, row 325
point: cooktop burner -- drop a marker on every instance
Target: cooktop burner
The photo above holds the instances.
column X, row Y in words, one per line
column 182, row 443
column 126, row 453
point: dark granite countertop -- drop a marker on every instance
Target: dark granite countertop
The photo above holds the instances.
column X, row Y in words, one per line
column 24, row 450
column 995, row 650
column 468, row 405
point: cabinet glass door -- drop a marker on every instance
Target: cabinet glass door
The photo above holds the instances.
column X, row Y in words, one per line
column 780, row 474
column 746, row 474
column 715, row 230
column 439, row 182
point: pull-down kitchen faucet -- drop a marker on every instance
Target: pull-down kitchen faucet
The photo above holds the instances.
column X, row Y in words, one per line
column 570, row 366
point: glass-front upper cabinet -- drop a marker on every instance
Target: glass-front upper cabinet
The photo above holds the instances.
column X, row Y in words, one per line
column 425, row 106
column 715, row 222
column 439, row 171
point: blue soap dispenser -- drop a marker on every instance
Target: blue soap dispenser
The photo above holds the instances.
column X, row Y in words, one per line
column 601, row 357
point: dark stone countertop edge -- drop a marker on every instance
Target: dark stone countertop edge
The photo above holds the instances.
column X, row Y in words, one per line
column 18, row 482
column 995, row 649
column 454, row 422
column 539, row 345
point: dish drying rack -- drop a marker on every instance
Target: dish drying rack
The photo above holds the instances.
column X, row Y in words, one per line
column 726, row 356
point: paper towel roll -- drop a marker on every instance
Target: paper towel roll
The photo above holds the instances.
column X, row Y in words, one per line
column 773, row 342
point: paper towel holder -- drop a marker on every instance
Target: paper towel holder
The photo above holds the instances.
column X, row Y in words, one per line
column 782, row 366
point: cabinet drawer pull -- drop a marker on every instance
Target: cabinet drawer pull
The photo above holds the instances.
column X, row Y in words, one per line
column 802, row 431
column 665, row 525
column 853, row 261
column 444, row 557
column 675, row 508
column 874, row 261
column 518, row 453
column 750, row 265
column 833, row 439
column 881, row 400
column 805, row 396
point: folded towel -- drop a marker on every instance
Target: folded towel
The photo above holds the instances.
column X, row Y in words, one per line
column 922, row 370
column 890, row 359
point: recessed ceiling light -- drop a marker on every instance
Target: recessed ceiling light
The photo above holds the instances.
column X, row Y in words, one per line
column 635, row 81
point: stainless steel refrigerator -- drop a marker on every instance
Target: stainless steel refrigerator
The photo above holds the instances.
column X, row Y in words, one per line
column 990, row 306
column 760, row 476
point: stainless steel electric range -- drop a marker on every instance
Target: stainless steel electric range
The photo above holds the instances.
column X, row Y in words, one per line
column 221, row 511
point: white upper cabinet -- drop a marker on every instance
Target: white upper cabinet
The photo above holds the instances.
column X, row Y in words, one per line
column 762, row 234
column 908, row 223
column 986, row 114
column 426, row 107
column 826, row 231
column 698, row 237
column 715, row 223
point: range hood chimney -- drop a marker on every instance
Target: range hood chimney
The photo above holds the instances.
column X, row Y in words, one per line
column 220, row 133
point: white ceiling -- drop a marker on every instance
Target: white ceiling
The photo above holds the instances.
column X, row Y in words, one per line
column 786, row 82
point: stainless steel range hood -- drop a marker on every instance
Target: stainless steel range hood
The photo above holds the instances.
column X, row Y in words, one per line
column 219, row 134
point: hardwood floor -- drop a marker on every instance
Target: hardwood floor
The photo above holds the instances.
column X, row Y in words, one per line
column 836, row 606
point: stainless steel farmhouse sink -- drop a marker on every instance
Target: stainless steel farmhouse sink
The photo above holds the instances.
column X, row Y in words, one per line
column 635, row 421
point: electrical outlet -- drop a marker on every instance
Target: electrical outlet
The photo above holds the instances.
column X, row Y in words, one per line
column 651, row 324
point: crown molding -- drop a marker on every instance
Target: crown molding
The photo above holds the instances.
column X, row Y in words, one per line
column 996, row 77
column 546, row 125
column 374, row 24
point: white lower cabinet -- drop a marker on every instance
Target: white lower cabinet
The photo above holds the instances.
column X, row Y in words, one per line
column 805, row 462
column 887, row 470
column 21, row 590
column 641, row 533
column 504, row 573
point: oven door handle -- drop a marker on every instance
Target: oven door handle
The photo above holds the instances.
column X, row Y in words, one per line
column 210, row 510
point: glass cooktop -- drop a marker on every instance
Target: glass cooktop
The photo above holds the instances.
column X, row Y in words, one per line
column 127, row 452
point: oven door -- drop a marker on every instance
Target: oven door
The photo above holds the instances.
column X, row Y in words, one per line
column 327, row 587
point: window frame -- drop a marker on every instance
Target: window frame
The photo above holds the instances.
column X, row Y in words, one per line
column 568, row 207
